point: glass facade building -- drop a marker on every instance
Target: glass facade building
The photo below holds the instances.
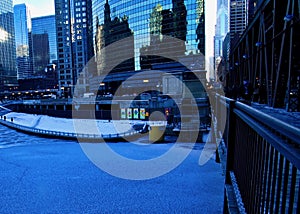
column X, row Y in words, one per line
column 8, row 73
column 222, row 28
column 46, row 25
column 181, row 19
column 22, row 22
column 74, row 41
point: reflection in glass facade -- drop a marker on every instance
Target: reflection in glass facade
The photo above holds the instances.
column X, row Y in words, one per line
column 112, row 30
column 22, row 22
column 46, row 25
column 8, row 73
column 23, row 27
column 177, row 18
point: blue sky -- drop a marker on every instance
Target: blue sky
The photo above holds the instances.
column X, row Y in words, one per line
column 38, row 7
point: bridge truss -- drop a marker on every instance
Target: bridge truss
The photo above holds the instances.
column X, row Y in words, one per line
column 267, row 54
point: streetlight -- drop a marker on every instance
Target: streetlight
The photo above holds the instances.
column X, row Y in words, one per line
column 258, row 44
column 288, row 17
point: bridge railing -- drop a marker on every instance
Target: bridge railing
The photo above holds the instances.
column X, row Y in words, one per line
column 262, row 158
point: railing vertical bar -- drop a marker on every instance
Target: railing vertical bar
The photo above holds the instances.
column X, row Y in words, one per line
column 292, row 187
column 266, row 157
column 241, row 171
column 252, row 168
column 241, row 161
column 231, row 142
column 248, row 185
column 255, row 171
column 271, row 160
column 285, row 185
column 279, row 184
column 260, row 173
column 274, row 182
column 298, row 199
column 265, row 176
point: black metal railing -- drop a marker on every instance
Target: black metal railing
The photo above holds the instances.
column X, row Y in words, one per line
column 262, row 158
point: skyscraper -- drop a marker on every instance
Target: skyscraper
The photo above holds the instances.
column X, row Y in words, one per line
column 238, row 17
column 241, row 13
column 183, row 20
column 40, row 52
column 46, row 25
column 222, row 28
column 74, row 41
column 22, row 22
column 8, row 75
column 113, row 30
column 168, row 22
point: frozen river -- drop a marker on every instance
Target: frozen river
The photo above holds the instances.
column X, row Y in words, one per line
column 40, row 175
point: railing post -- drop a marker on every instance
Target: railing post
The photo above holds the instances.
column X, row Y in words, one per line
column 230, row 204
column 217, row 112
column 216, row 118
column 230, row 140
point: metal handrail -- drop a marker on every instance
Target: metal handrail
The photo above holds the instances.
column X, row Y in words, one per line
column 285, row 149
column 279, row 126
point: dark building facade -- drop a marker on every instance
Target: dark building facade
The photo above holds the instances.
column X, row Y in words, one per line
column 46, row 25
column 41, row 52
